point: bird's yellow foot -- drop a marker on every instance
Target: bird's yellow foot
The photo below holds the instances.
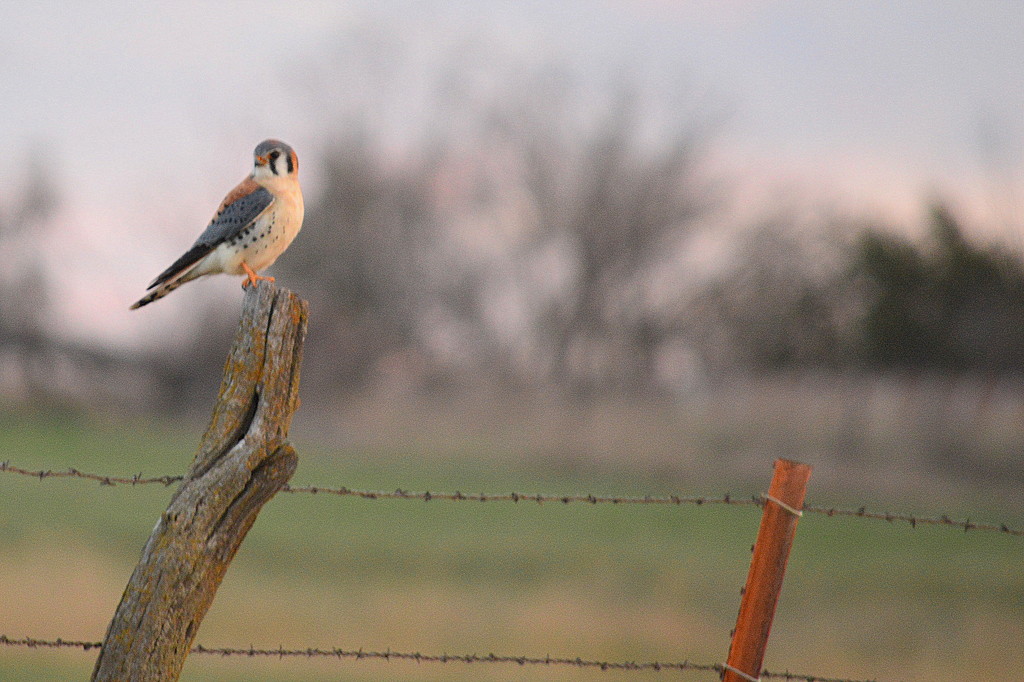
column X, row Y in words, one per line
column 251, row 277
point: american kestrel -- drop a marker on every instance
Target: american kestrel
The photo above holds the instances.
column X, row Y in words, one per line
column 253, row 226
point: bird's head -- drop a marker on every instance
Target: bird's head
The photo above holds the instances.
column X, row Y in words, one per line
column 274, row 159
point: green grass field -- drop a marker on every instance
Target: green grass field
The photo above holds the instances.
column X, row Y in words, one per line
column 862, row 599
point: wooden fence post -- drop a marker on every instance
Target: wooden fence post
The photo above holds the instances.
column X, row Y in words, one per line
column 242, row 461
column 781, row 512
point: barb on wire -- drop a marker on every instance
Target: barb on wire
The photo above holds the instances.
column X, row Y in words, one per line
column 388, row 655
column 427, row 496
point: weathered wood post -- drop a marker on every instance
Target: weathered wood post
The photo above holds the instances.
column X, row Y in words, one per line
column 243, row 460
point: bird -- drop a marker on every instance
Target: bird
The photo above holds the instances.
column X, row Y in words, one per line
column 254, row 225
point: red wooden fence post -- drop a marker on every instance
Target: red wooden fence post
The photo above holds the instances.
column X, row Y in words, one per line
column 782, row 507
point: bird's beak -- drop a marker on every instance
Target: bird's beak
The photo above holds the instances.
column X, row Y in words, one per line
column 261, row 161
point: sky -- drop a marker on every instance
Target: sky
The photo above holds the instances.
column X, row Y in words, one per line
column 147, row 113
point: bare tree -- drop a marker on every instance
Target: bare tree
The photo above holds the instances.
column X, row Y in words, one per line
column 506, row 187
column 615, row 201
column 362, row 260
column 24, row 285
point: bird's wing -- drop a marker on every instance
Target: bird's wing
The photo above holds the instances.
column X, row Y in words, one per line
column 240, row 208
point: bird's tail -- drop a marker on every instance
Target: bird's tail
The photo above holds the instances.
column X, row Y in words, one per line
column 159, row 292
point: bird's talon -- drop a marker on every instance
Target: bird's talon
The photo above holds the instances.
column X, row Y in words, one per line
column 253, row 279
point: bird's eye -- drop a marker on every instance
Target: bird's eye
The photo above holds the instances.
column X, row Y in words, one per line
column 274, row 154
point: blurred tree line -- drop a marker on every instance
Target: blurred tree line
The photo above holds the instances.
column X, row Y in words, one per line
column 541, row 242
column 544, row 261
column 871, row 299
column 947, row 305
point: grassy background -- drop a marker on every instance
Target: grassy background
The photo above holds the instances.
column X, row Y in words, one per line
column 862, row 599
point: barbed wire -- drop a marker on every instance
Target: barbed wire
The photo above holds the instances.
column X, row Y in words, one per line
column 914, row 520
column 457, row 496
column 388, row 655
column 41, row 474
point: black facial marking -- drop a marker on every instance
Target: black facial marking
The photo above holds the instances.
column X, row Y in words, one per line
column 291, row 165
